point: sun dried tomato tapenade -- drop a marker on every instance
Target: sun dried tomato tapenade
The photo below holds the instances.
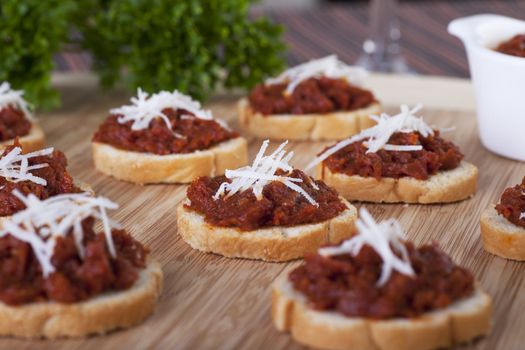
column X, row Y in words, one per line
column 13, row 123
column 279, row 205
column 512, row 204
column 437, row 155
column 347, row 284
column 314, row 95
column 74, row 279
column 515, row 46
column 55, row 173
column 187, row 134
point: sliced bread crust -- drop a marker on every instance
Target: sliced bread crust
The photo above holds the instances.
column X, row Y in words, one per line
column 144, row 168
column 328, row 126
column 33, row 141
column 501, row 237
column 268, row 244
column 99, row 315
column 462, row 321
column 443, row 187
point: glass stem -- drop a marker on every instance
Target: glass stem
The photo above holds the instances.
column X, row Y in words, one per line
column 381, row 50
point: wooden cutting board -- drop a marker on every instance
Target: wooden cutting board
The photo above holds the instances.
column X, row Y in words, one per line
column 210, row 302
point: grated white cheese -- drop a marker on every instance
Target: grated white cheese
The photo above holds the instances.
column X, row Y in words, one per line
column 377, row 136
column 145, row 108
column 14, row 98
column 261, row 172
column 386, row 238
column 522, row 215
column 328, row 66
column 43, row 221
column 14, row 166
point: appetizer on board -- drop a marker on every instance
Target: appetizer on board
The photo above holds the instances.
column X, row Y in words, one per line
column 318, row 100
column 165, row 138
column 268, row 211
column 378, row 291
column 16, row 121
column 503, row 226
column 42, row 173
column 400, row 159
column 61, row 277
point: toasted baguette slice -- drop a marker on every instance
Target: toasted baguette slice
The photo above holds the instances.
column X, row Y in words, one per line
column 99, row 315
column 501, row 237
column 460, row 322
column 144, row 168
column 31, row 142
column 268, row 244
column 446, row 186
column 328, row 126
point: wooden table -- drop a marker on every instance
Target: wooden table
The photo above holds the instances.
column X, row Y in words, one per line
column 210, row 302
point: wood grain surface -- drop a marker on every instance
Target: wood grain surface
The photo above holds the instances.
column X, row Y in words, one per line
column 211, row 302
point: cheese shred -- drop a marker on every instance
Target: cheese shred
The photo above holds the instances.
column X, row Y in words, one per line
column 14, row 98
column 386, row 238
column 328, row 66
column 377, row 136
column 254, row 177
column 14, row 166
column 43, row 221
column 145, row 108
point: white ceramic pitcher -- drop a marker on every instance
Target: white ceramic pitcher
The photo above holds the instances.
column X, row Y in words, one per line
column 499, row 81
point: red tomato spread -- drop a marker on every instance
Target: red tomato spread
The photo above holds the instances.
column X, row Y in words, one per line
column 437, row 155
column 74, row 279
column 58, row 182
column 314, row 95
column 514, row 46
column 512, row 204
column 197, row 134
column 13, row 123
column 347, row 284
column 279, row 205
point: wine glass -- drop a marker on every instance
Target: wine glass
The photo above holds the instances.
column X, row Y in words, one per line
column 381, row 51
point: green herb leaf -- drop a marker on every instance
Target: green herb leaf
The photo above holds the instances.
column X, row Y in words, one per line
column 193, row 46
column 31, row 32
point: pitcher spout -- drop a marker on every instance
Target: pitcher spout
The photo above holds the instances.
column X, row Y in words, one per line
column 466, row 28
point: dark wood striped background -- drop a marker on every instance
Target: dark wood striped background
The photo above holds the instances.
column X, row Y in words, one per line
column 341, row 28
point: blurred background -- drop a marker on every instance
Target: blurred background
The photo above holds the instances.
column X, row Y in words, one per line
column 315, row 28
column 202, row 46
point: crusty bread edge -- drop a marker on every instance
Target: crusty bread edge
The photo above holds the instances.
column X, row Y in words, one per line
column 315, row 127
column 33, row 141
column 462, row 321
column 99, row 315
column 269, row 244
column 501, row 237
column 144, row 168
column 444, row 187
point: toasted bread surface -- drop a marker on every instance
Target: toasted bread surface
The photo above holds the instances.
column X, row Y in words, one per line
column 268, row 244
column 315, row 127
column 443, row 187
column 501, row 237
column 98, row 315
column 464, row 320
column 144, row 168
